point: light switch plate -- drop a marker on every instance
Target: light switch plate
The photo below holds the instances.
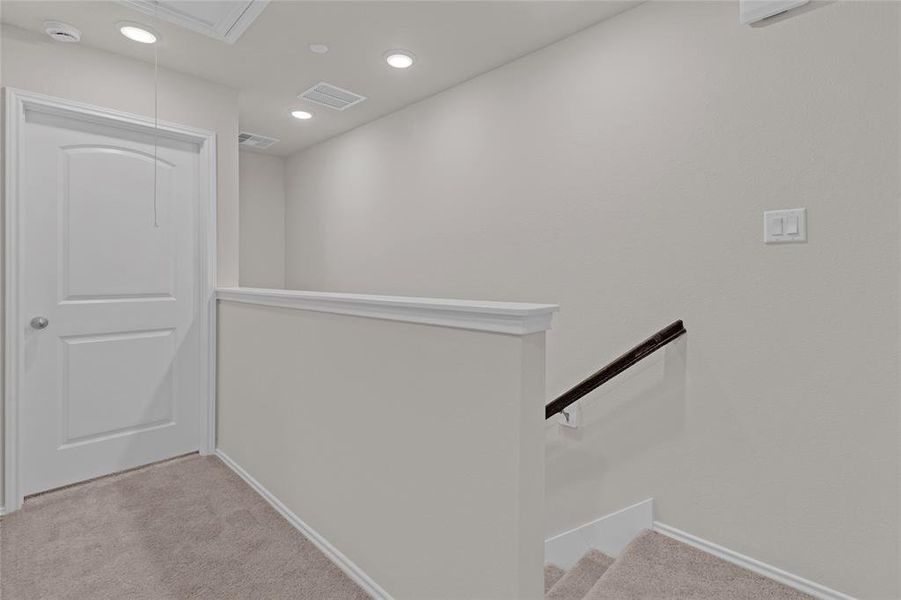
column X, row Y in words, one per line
column 785, row 226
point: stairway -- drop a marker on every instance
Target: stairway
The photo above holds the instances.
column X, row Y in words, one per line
column 656, row 567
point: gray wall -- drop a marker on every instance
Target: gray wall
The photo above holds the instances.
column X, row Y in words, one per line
column 623, row 173
column 262, row 193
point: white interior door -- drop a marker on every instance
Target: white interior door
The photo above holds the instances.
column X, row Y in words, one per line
column 112, row 379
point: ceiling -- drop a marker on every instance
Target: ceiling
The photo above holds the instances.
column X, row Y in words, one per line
column 270, row 64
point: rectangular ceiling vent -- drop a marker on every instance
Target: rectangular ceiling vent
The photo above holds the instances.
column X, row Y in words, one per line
column 257, row 142
column 326, row 94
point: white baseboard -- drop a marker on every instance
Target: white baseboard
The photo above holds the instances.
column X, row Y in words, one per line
column 799, row 583
column 345, row 564
column 609, row 534
column 2, row 511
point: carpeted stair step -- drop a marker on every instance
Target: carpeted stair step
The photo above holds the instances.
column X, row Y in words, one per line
column 655, row 567
column 552, row 574
column 576, row 582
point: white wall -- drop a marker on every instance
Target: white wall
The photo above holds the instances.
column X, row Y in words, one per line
column 430, row 484
column 623, row 174
column 262, row 193
column 32, row 62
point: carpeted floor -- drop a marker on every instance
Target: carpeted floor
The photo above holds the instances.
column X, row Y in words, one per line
column 655, row 567
column 186, row 529
column 576, row 582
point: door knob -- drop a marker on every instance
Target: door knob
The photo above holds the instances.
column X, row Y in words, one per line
column 39, row 323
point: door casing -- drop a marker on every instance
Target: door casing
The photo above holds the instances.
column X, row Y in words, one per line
column 17, row 104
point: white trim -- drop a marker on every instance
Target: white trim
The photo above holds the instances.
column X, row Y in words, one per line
column 2, row 511
column 609, row 534
column 246, row 19
column 12, row 498
column 17, row 103
column 89, row 113
column 793, row 581
column 503, row 317
column 336, row 556
column 758, row 10
column 207, row 315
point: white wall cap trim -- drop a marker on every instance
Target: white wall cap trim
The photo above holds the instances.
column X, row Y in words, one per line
column 515, row 318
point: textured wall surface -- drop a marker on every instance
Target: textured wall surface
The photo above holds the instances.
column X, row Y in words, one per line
column 623, row 173
column 416, row 450
column 262, row 192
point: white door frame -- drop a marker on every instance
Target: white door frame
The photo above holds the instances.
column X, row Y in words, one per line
column 18, row 103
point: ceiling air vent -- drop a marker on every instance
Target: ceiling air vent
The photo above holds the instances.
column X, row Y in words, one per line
column 257, row 142
column 326, row 94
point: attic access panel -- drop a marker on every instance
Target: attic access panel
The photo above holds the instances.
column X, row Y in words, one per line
column 224, row 20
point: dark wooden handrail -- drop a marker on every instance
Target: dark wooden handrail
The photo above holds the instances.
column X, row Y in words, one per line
column 642, row 350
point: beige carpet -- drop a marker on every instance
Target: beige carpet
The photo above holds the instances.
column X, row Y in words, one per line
column 552, row 574
column 182, row 530
column 577, row 581
column 656, row 567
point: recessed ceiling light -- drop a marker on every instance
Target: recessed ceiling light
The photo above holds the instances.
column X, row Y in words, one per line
column 61, row 32
column 400, row 59
column 318, row 48
column 137, row 33
column 301, row 114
